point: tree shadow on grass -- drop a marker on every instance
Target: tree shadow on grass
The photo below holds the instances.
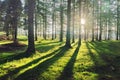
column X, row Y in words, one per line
column 33, row 74
column 67, row 73
column 109, row 71
column 47, row 43
column 16, row 56
column 109, row 52
column 91, row 54
column 108, row 47
column 14, row 72
column 45, row 48
column 21, row 55
column 14, row 48
column 22, row 39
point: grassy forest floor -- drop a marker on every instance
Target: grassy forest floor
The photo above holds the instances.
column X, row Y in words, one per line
column 53, row 61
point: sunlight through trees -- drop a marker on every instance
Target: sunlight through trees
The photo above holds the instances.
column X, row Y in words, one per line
column 59, row 39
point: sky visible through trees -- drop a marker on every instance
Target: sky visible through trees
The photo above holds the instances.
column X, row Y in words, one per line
column 100, row 16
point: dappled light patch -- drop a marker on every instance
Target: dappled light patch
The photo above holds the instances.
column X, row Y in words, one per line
column 45, row 46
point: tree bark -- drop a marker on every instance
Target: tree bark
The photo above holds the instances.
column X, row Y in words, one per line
column 31, row 10
column 73, row 24
column 68, row 24
column 79, row 42
column 61, row 21
column 93, row 23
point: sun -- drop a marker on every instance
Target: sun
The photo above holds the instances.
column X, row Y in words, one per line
column 82, row 21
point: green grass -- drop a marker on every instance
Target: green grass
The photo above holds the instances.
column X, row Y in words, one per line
column 53, row 61
column 1, row 33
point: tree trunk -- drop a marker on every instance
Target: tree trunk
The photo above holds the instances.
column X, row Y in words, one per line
column 109, row 23
column 31, row 10
column 36, row 28
column 93, row 23
column 15, row 31
column 55, row 26
column 61, row 21
column 45, row 22
column 100, row 25
column 68, row 24
column 118, row 22
column 53, row 21
column 6, row 26
column 73, row 24
column 79, row 42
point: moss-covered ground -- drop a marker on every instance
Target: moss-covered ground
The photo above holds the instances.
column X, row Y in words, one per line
column 53, row 61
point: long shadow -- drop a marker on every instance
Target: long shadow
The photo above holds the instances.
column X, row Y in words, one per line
column 21, row 55
column 32, row 74
column 106, row 46
column 46, row 43
column 45, row 48
column 97, row 68
column 98, row 46
column 110, row 59
column 104, row 51
column 93, row 58
column 67, row 73
column 12, row 73
column 111, row 68
column 25, row 39
column 16, row 56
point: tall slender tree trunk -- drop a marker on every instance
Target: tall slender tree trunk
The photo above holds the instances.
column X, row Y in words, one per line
column 45, row 22
column 109, row 23
column 15, row 31
column 61, row 21
column 97, row 21
column 93, row 23
column 31, row 11
column 100, row 25
column 53, row 20
column 68, row 24
column 43, row 27
column 6, row 28
column 40, row 28
column 106, row 29
column 79, row 42
column 118, row 22
column 55, row 26
column 36, row 28
column 45, row 35
column 73, row 24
